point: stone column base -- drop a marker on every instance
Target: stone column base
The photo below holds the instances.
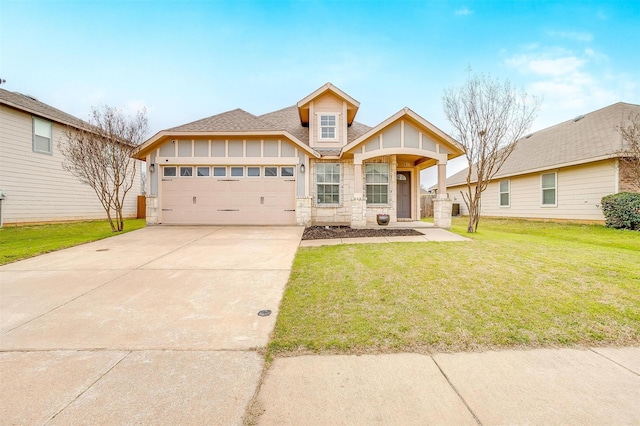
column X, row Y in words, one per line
column 442, row 212
column 303, row 211
column 152, row 210
column 359, row 211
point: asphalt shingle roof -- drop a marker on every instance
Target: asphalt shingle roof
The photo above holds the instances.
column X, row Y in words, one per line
column 25, row 103
column 571, row 142
column 286, row 119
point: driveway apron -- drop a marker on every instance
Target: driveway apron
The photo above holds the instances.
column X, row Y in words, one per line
column 157, row 326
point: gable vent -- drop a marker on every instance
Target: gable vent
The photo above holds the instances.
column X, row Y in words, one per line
column 578, row 118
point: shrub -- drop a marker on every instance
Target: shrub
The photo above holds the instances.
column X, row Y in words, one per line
column 622, row 210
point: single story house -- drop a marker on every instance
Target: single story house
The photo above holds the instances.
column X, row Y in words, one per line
column 310, row 163
column 561, row 172
column 34, row 187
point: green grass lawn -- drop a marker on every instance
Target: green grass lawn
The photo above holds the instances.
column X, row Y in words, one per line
column 21, row 242
column 516, row 284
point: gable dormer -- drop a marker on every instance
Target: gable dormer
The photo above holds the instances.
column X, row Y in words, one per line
column 327, row 113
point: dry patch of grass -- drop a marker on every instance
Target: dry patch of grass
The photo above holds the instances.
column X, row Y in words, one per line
column 516, row 284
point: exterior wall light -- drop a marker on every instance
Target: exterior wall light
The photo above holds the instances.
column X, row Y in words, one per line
column 302, row 169
column 152, row 168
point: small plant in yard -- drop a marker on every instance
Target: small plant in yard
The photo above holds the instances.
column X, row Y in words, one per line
column 515, row 284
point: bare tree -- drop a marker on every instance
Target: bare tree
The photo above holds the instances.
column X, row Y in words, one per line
column 630, row 153
column 101, row 156
column 488, row 117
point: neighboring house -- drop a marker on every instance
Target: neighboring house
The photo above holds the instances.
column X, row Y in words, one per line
column 35, row 186
column 310, row 163
column 561, row 172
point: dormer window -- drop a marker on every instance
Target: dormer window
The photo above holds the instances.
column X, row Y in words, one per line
column 328, row 127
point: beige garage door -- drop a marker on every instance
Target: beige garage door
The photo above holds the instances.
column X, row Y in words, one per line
column 229, row 200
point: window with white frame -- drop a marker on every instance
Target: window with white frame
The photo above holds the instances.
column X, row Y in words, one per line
column 253, row 171
column 202, row 171
column 548, row 184
column 377, row 183
column 328, row 183
column 328, row 127
column 220, row 171
column 286, row 171
column 186, row 171
column 169, row 171
column 42, row 137
column 270, row 171
column 237, row 171
column 505, row 194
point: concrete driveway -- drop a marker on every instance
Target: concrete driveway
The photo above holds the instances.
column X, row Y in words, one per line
column 155, row 326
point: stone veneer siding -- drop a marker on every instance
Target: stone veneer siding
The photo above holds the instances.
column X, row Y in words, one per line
column 342, row 213
column 348, row 211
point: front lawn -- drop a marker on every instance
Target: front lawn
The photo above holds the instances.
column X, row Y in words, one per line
column 21, row 242
column 516, row 284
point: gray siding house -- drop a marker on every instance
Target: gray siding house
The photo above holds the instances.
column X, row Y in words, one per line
column 34, row 186
column 561, row 172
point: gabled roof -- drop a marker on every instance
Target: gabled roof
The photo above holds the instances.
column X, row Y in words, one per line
column 584, row 139
column 282, row 122
column 407, row 113
column 352, row 104
column 33, row 106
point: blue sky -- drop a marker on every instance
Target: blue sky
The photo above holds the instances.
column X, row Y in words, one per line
column 187, row 60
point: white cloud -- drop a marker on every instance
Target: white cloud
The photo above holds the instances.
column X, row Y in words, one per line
column 572, row 35
column 465, row 11
column 570, row 82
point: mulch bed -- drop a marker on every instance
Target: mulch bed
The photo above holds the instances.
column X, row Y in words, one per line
column 327, row 232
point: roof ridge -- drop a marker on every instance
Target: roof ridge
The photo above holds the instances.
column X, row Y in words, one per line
column 50, row 112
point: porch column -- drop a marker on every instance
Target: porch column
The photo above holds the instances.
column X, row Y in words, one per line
column 442, row 203
column 442, row 180
column 359, row 204
column 357, row 181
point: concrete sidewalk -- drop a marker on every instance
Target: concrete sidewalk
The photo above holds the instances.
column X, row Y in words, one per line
column 542, row 386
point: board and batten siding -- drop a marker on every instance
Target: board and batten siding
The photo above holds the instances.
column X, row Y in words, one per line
column 579, row 193
column 36, row 187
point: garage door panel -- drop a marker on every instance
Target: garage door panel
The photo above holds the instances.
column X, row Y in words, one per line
column 250, row 201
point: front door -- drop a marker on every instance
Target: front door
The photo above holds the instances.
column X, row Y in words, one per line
column 404, row 195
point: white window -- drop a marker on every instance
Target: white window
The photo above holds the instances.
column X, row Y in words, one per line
column 270, row 171
column 377, row 183
column 219, row 171
column 328, row 183
column 286, row 171
column 548, row 184
column 202, row 171
column 42, row 136
column 237, row 171
column 328, row 127
column 505, row 193
column 169, row 171
column 186, row 171
column 253, row 171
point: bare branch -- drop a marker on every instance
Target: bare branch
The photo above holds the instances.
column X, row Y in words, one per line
column 488, row 117
column 630, row 151
column 101, row 156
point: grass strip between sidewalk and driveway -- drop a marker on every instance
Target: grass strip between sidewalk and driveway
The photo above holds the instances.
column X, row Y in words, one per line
column 24, row 241
column 516, row 284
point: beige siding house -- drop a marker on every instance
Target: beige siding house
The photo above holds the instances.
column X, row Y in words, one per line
column 561, row 172
column 310, row 163
column 34, row 186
